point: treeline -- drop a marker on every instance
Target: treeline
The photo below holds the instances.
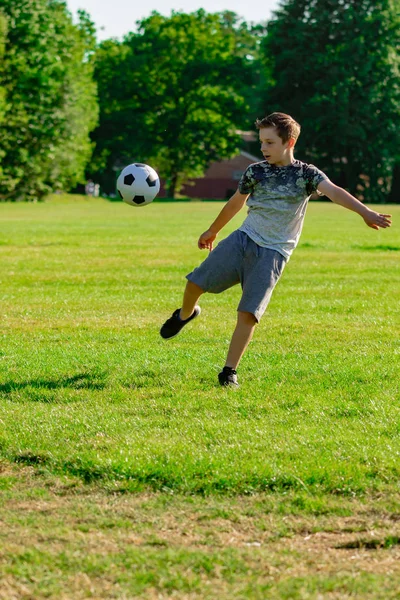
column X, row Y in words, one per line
column 48, row 102
column 175, row 93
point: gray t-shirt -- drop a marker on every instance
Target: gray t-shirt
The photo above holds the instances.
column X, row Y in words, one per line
column 277, row 202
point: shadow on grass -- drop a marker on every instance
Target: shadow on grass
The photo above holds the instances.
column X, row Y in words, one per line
column 371, row 544
column 380, row 247
column 30, row 459
column 37, row 389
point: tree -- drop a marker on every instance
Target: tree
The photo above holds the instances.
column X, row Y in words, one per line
column 3, row 35
column 172, row 95
column 80, row 106
column 49, row 98
column 335, row 66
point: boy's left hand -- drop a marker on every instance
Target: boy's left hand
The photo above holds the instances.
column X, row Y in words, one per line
column 377, row 220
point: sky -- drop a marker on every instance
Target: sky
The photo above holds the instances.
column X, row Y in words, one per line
column 115, row 18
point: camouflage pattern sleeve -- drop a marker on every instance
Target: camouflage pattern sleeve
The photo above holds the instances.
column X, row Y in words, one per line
column 314, row 177
column 247, row 181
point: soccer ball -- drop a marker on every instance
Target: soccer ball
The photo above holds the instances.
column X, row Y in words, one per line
column 138, row 184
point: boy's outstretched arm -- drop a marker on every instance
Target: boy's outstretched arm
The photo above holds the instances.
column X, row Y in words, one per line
column 339, row 196
column 234, row 204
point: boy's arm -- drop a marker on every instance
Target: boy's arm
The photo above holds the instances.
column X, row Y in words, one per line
column 234, row 204
column 339, row 196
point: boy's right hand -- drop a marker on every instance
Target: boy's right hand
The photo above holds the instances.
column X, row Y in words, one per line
column 206, row 240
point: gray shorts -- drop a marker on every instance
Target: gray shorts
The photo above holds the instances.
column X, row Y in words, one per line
column 237, row 259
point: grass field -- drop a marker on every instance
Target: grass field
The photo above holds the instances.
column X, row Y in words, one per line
column 127, row 472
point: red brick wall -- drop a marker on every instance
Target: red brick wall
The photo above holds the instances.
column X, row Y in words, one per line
column 210, row 188
column 221, row 178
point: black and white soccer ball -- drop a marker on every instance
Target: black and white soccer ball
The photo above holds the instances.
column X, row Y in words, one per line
column 138, row 184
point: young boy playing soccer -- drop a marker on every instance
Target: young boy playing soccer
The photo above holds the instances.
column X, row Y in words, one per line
column 276, row 191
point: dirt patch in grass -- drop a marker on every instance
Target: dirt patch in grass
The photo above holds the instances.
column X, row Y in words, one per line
column 62, row 539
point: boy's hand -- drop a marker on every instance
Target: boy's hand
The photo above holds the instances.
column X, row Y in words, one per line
column 206, row 240
column 377, row 220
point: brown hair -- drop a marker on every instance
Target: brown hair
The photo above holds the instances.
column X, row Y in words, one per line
column 286, row 127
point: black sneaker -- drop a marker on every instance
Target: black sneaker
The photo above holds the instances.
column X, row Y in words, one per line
column 228, row 377
column 174, row 324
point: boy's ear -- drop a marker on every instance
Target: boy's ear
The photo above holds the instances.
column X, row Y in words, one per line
column 291, row 142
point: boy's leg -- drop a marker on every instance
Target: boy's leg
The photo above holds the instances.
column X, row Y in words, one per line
column 241, row 337
column 262, row 268
column 218, row 272
column 181, row 316
column 191, row 295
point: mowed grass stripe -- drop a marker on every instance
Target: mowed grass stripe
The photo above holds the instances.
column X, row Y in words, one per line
column 88, row 387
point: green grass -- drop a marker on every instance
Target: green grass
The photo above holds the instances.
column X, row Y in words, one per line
column 89, row 390
column 62, row 539
column 94, row 391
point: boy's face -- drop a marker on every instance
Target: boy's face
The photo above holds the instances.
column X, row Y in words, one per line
column 274, row 150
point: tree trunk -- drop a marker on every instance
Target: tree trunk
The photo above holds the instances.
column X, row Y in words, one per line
column 394, row 195
column 172, row 185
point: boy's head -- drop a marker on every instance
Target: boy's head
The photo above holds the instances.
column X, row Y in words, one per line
column 278, row 134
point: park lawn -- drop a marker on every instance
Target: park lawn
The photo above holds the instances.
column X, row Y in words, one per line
column 92, row 397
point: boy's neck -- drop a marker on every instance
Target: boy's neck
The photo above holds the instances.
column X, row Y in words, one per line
column 286, row 160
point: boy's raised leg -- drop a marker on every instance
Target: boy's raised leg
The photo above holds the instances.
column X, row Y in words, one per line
column 181, row 316
column 191, row 295
column 241, row 338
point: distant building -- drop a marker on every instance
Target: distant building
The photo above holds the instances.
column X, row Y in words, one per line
column 221, row 178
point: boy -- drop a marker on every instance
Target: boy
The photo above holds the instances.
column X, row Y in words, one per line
column 276, row 191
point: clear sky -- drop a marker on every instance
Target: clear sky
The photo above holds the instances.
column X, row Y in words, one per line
column 117, row 17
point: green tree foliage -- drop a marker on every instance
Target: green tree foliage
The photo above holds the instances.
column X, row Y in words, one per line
column 49, row 103
column 3, row 35
column 335, row 65
column 173, row 94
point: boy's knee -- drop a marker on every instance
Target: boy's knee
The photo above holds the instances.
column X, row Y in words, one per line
column 247, row 317
column 194, row 287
